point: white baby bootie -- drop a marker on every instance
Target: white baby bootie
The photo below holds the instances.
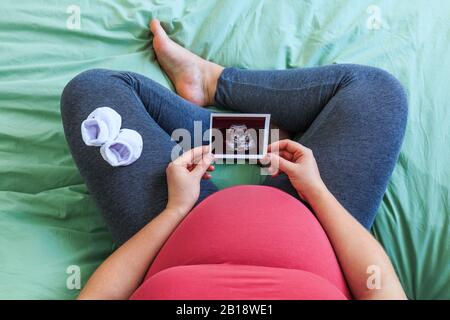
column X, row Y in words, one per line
column 124, row 150
column 102, row 125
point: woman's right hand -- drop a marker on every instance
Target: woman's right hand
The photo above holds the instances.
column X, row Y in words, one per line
column 183, row 178
column 299, row 164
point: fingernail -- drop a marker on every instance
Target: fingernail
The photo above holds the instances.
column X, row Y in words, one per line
column 266, row 159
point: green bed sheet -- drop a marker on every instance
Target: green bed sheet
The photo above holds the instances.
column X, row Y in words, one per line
column 48, row 221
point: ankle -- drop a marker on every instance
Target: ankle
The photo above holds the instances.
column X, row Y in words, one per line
column 212, row 75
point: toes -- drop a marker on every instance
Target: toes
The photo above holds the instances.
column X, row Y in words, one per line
column 154, row 25
column 157, row 30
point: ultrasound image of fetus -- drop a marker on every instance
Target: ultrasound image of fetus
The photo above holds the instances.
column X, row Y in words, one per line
column 239, row 139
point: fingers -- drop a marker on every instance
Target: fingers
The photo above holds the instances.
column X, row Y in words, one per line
column 207, row 175
column 278, row 163
column 192, row 156
column 287, row 145
column 286, row 155
column 198, row 161
column 205, row 164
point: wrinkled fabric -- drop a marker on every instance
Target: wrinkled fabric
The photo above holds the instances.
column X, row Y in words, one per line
column 48, row 220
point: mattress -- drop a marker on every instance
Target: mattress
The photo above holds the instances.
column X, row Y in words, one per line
column 51, row 233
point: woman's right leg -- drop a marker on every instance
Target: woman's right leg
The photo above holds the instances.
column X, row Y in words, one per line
column 130, row 196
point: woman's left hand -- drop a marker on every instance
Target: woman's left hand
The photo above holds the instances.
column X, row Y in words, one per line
column 184, row 176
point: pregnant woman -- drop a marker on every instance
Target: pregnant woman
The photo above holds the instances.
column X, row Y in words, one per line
column 302, row 235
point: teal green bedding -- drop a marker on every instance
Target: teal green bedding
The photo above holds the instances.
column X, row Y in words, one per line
column 48, row 221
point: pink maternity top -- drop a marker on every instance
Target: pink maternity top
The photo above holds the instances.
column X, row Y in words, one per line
column 246, row 242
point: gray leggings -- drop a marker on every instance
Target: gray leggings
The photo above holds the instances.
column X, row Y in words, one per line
column 352, row 117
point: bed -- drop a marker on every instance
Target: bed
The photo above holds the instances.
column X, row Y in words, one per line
column 51, row 234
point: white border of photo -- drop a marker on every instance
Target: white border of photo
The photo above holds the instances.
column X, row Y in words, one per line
column 242, row 115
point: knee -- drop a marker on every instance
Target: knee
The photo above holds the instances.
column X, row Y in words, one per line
column 84, row 80
column 382, row 87
column 74, row 94
column 91, row 89
column 384, row 84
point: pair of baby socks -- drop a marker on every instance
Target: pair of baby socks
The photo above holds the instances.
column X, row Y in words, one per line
column 119, row 147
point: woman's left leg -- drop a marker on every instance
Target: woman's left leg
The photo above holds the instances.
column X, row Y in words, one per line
column 129, row 197
column 353, row 118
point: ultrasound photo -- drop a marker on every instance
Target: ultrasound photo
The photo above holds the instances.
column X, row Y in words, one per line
column 239, row 136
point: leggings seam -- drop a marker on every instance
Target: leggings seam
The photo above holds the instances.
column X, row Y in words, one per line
column 316, row 84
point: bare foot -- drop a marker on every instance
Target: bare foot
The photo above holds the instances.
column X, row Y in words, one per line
column 194, row 78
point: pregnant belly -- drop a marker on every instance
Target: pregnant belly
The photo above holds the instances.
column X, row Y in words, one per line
column 235, row 236
column 236, row 282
